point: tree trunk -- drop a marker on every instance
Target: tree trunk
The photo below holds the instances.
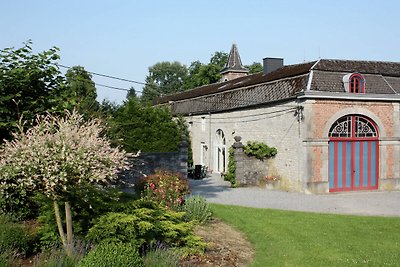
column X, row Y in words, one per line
column 59, row 223
column 68, row 220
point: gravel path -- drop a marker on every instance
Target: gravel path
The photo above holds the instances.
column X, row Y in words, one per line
column 215, row 190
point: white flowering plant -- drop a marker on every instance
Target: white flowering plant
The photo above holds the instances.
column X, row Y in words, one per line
column 55, row 156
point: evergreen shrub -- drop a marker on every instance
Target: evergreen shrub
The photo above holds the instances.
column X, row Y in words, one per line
column 112, row 254
column 146, row 224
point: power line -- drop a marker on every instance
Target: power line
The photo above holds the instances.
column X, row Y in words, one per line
column 246, row 116
column 108, row 76
column 81, row 80
column 153, row 86
column 150, row 86
column 275, row 114
column 115, row 88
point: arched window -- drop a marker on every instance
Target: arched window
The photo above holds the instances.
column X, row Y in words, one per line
column 220, row 155
column 353, row 126
column 220, row 137
column 354, row 83
column 357, row 84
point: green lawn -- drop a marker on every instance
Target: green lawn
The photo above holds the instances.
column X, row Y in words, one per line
column 286, row 238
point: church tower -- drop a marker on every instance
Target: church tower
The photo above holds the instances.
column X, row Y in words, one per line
column 233, row 68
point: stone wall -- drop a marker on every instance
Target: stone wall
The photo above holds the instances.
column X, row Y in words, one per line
column 278, row 126
column 147, row 163
column 250, row 171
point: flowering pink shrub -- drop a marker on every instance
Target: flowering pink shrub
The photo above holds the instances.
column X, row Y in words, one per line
column 166, row 188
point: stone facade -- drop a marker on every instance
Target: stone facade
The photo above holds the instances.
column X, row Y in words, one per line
column 293, row 109
column 277, row 126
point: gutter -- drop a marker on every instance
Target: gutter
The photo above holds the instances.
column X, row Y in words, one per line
column 348, row 96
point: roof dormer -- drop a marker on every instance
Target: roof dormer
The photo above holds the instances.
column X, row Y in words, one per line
column 354, row 83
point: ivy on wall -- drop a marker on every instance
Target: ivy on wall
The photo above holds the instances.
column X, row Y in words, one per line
column 259, row 150
column 255, row 149
column 231, row 174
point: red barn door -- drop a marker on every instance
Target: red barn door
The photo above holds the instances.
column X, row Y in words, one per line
column 353, row 154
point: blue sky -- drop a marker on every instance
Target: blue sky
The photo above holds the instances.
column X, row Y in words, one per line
column 123, row 38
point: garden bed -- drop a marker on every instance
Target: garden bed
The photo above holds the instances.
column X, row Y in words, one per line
column 227, row 246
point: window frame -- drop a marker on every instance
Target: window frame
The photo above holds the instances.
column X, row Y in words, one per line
column 354, row 83
column 354, row 127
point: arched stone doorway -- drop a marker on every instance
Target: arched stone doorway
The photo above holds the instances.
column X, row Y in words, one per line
column 353, row 154
column 220, row 151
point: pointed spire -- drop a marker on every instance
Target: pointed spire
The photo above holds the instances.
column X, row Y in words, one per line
column 233, row 67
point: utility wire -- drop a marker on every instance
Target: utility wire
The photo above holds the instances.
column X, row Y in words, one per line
column 153, row 86
column 150, row 86
column 116, row 88
column 246, row 116
column 108, row 76
column 249, row 120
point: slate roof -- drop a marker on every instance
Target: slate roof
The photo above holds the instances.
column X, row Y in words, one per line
column 285, row 83
column 234, row 63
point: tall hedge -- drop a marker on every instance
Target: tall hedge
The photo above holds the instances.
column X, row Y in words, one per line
column 137, row 126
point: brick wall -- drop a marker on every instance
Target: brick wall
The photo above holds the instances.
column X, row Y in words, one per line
column 322, row 114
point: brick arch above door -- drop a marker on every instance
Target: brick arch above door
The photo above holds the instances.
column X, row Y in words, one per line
column 358, row 111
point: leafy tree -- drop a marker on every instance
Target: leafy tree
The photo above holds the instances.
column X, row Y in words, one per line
column 79, row 92
column 203, row 74
column 26, row 84
column 131, row 93
column 137, row 126
column 254, row 68
column 219, row 59
column 57, row 157
column 164, row 78
column 170, row 77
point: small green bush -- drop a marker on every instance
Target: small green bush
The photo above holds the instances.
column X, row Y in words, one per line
column 197, row 209
column 113, row 254
column 13, row 236
column 231, row 174
column 146, row 224
column 161, row 258
column 166, row 188
column 259, row 150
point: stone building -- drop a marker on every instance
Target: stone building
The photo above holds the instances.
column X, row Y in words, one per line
column 335, row 123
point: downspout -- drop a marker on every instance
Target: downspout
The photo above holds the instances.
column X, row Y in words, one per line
column 211, row 145
column 300, row 118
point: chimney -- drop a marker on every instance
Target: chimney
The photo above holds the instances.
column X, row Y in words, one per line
column 272, row 64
